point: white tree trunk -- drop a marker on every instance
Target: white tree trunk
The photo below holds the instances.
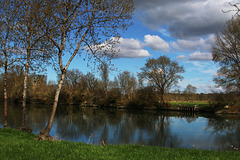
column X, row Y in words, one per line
column 55, row 103
column 25, row 94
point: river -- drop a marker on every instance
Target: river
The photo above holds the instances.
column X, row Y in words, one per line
column 166, row 129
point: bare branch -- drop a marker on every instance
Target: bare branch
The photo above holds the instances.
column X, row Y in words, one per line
column 236, row 10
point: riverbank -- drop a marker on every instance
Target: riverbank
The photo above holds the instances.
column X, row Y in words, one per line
column 192, row 106
column 15, row 144
column 202, row 106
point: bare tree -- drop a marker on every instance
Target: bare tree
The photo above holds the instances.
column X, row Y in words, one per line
column 104, row 73
column 29, row 42
column 6, row 43
column 127, row 83
column 189, row 91
column 226, row 52
column 75, row 25
column 162, row 73
column 236, row 9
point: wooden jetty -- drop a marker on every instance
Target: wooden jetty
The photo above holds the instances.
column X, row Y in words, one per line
column 188, row 109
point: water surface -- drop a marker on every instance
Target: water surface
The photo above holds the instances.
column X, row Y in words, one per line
column 166, row 129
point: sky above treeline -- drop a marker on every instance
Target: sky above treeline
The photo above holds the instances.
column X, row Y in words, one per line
column 180, row 29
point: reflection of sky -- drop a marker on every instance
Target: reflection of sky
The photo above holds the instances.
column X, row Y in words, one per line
column 135, row 128
column 194, row 134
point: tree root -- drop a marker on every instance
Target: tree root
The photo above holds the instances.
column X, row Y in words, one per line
column 43, row 137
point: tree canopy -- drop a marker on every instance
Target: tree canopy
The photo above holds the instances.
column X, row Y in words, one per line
column 190, row 89
column 79, row 26
column 162, row 73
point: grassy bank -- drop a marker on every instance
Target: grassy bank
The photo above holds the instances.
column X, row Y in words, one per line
column 16, row 144
column 200, row 104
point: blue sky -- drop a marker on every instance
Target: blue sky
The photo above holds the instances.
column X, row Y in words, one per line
column 180, row 29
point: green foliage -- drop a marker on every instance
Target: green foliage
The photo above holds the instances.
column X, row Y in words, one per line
column 200, row 104
column 21, row 145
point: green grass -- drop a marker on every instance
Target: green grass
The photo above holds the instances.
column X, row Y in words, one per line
column 190, row 104
column 16, row 144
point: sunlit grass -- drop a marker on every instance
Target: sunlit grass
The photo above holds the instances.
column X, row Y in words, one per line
column 16, row 144
column 189, row 103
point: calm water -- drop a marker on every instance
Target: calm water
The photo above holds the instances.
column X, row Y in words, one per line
column 167, row 129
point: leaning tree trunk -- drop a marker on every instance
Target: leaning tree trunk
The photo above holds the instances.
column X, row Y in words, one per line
column 5, row 94
column 47, row 130
column 23, row 127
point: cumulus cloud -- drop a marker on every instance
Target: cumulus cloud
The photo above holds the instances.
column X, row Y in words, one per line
column 126, row 48
column 130, row 48
column 200, row 56
column 185, row 18
column 181, row 57
column 156, row 43
column 200, row 44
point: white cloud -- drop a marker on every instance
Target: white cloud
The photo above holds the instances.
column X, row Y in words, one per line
column 130, row 43
column 198, row 56
column 181, row 57
column 199, row 44
column 164, row 32
column 156, row 43
column 130, row 48
column 126, row 48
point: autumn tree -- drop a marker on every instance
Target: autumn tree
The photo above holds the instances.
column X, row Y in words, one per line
column 72, row 90
column 226, row 53
column 15, row 78
column 162, row 73
column 38, row 88
column 77, row 25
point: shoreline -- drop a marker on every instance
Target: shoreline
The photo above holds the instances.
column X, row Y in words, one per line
column 175, row 108
column 17, row 144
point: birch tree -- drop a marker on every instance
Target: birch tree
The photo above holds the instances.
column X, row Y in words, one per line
column 7, row 57
column 78, row 26
column 29, row 43
column 4, row 42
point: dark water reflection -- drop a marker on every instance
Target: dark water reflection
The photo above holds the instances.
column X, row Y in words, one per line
column 166, row 129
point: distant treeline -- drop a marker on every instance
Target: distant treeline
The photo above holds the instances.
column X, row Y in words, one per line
column 87, row 90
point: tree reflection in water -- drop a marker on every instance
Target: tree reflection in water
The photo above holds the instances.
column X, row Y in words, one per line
column 132, row 127
column 226, row 131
